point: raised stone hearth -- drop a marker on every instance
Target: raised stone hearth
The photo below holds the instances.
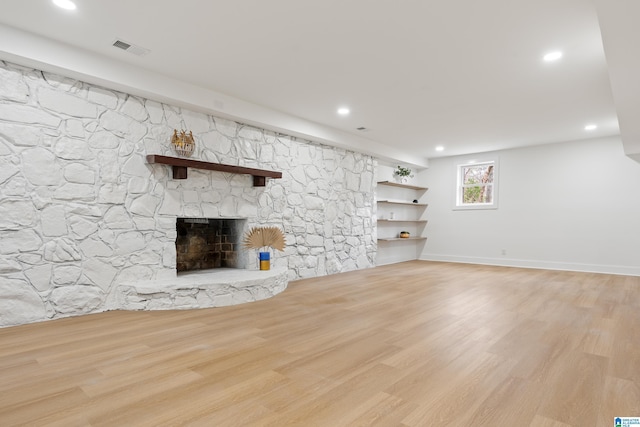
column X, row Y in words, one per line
column 200, row 289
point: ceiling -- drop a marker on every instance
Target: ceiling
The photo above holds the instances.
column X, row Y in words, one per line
column 463, row 74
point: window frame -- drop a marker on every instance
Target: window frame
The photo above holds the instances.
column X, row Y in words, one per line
column 458, row 205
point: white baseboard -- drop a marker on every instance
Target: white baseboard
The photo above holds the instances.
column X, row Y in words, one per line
column 545, row 265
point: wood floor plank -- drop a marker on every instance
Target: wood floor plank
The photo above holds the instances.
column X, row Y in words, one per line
column 512, row 402
column 381, row 410
column 621, row 398
column 473, row 380
column 540, row 421
column 329, row 408
column 40, row 407
column 410, row 344
column 575, row 390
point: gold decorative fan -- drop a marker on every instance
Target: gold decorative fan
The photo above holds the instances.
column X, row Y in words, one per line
column 259, row 237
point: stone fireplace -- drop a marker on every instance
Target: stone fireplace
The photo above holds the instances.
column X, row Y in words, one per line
column 89, row 225
column 206, row 243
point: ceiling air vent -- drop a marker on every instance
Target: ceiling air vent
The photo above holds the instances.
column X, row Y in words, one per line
column 131, row 48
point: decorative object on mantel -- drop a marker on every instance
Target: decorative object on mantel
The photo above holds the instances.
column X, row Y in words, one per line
column 183, row 143
column 401, row 174
column 179, row 167
column 405, row 234
column 262, row 238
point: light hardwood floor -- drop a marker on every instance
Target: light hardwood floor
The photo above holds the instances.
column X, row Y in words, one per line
column 411, row 344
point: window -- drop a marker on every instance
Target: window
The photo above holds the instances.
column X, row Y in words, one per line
column 477, row 185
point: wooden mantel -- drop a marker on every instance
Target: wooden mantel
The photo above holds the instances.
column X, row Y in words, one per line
column 180, row 165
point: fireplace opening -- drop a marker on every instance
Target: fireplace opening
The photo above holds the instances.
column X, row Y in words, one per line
column 205, row 243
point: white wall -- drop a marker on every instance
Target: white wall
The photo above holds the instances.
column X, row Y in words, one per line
column 573, row 206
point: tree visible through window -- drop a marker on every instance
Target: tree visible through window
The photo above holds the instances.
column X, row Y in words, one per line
column 476, row 185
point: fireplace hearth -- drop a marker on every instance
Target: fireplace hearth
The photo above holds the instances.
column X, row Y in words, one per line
column 207, row 243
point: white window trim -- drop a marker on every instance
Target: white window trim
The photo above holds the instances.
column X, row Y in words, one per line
column 457, row 190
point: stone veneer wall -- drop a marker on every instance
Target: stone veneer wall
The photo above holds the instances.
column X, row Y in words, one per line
column 82, row 212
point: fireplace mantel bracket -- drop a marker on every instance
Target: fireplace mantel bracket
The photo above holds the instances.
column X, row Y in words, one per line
column 180, row 165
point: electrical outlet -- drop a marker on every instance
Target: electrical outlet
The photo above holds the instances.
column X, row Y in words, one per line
column 504, row 252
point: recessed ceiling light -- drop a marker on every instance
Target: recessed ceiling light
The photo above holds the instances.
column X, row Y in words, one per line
column 343, row 111
column 439, row 148
column 65, row 4
column 552, row 56
column 590, row 127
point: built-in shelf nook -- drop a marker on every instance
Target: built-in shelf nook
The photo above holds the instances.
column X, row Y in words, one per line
column 179, row 167
column 400, row 219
